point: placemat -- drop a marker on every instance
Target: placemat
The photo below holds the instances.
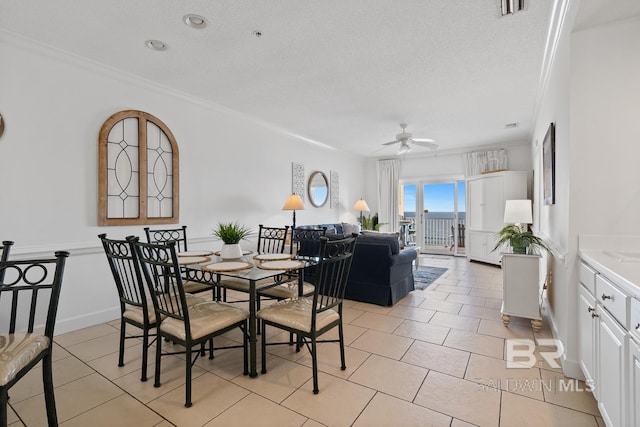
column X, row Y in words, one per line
column 281, row 265
column 187, row 260
column 217, row 253
column 272, row 257
column 195, row 253
column 227, row 266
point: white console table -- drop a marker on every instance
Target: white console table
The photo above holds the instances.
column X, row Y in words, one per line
column 521, row 288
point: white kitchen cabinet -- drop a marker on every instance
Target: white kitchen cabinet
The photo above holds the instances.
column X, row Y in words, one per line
column 521, row 288
column 611, row 365
column 634, row 383
column 486, row 196
column 587, row 329
column 605, row 348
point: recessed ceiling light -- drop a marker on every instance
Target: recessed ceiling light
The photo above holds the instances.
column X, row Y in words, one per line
column 511, row 125
column 156, row 45
column 194, row 21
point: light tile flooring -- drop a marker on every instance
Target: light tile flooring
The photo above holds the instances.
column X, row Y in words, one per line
column 437, row 358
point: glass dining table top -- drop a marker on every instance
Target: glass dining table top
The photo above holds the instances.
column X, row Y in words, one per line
column 253, row 273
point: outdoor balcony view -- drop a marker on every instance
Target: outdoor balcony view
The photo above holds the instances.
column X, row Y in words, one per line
column 434, row 217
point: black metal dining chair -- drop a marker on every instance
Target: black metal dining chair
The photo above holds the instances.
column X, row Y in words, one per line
column 188, row 326
column 307, row 243
column 311, row 317
column 29, row 286
column 135, row 308
column 4, row 253
column 178, row 235
column 272, row 240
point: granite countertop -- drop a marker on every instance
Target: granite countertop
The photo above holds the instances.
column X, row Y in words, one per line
column 616, row 257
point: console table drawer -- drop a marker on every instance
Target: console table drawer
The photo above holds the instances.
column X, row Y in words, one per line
column 613, row 299
column 587, row 277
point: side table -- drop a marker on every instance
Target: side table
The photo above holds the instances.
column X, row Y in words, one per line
column 521, row 288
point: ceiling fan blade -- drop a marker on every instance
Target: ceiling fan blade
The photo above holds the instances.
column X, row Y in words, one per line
column 423, row 139
column 426, row 144
column 391, row 142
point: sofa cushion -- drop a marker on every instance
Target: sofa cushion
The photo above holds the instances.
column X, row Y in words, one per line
column 379, row 239
column 349, row 229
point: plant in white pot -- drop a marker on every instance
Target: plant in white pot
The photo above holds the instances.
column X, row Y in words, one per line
column 521, row 240
column 517, row 215
column 231, row 233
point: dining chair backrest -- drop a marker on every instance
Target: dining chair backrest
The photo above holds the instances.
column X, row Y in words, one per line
column 4, row 253
column 307, row 240
column 162, row 235
column 125, row 269
column 22, row 285
column 332, row 273
column 161, row 271
column 272, row 240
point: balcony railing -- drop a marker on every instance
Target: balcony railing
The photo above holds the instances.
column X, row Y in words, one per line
column 437, row 232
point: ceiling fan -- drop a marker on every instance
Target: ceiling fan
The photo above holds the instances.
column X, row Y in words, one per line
column 405, row 139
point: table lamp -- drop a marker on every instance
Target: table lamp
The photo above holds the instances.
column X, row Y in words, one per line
column 293, row 203
column 518, row 212
column 361, row 206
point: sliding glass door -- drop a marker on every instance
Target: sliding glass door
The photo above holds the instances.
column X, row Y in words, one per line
column 434, row 216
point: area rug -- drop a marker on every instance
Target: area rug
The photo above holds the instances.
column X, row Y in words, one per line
column 425, row 276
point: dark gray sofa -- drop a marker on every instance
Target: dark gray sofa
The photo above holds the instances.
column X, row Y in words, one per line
column 381, row 273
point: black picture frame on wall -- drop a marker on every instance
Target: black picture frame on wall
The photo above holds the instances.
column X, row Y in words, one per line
column 549, row 165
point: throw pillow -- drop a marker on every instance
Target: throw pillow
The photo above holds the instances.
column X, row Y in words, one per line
column 349, row 229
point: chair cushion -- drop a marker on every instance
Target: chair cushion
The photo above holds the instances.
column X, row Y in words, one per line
column 16, row 351
column 296, row 314
column 135, row 313
column 194, row 287
column 205, row 318
column 288, row 290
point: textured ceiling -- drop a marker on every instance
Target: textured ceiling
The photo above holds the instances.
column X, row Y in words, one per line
column 343, row 73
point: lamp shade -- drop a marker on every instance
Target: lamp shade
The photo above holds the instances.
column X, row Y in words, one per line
column 293, row 203
column 361, row 206
column 518, row 212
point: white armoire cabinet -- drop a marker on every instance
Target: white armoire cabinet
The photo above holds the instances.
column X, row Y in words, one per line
column 486, row 196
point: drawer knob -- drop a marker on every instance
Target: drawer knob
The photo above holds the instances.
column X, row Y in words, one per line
column 594, row 315
column 605, row 297
column 590, row 309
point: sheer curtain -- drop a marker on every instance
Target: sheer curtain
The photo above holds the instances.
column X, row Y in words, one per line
column 388, row 187
column 479, row 162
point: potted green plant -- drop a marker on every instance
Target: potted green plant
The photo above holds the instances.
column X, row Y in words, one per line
column 231, row 233
column 521, row 240
column 371, row 223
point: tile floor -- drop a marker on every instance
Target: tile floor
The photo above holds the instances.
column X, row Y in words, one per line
column 437, row 358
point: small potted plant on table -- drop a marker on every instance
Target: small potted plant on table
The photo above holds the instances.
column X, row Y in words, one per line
column 520, row 238
column 231, row 233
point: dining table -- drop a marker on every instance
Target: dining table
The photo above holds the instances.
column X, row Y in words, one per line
column 261, row 271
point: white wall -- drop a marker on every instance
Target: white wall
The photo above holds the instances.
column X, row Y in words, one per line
column 551, row 222
column 231, row 168
column 592, row 97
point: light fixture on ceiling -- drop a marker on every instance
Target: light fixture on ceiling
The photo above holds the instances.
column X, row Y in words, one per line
column 404, row 148
column 511, row 6
column 156, row 45
column 194, row 21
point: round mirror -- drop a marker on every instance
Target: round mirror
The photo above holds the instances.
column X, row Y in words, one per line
column 318, row 189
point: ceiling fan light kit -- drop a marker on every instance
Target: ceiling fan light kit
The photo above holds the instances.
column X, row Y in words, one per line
column 407, row 141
